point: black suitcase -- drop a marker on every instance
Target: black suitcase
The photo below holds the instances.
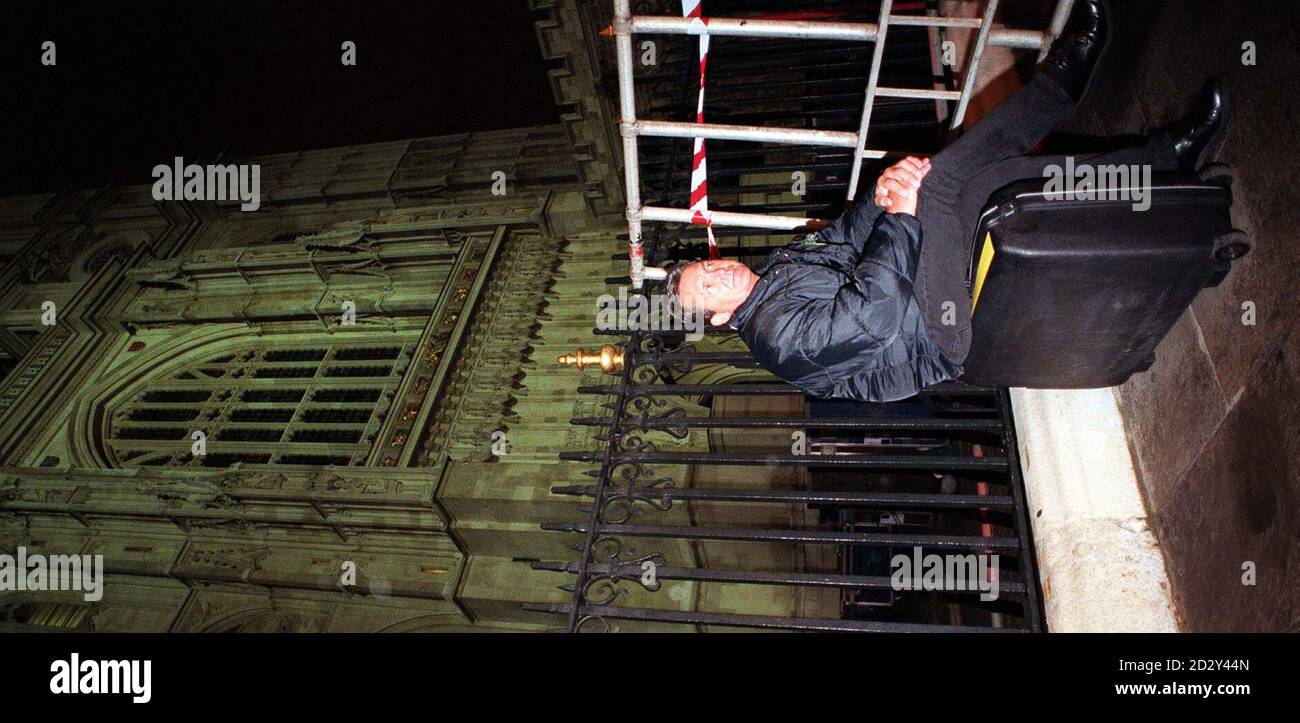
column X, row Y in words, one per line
column 1076, row 293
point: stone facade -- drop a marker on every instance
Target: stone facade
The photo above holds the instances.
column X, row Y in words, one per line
column 329, row 445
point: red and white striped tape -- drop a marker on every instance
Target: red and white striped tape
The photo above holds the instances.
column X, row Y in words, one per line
column 699, row 168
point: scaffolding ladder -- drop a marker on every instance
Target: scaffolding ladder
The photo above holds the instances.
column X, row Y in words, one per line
column 625, row 24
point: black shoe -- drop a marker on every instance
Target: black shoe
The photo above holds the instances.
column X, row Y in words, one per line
column 1074, row 54
column 1197, row 133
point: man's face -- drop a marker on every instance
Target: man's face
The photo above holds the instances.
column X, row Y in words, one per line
column 719, row 285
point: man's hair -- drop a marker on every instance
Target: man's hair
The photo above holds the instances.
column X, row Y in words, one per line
column 672, row 295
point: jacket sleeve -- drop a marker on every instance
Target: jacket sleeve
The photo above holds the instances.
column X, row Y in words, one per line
column 866, row 313
column 854, row 226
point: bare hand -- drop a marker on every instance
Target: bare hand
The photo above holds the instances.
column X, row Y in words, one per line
column 899, row 185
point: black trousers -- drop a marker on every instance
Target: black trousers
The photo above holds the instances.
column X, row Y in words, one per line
column 963, row 176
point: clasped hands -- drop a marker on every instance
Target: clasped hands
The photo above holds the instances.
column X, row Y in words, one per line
column 900, row 184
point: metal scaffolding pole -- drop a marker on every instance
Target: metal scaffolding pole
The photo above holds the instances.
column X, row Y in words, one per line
column 758, row 134
column 972, row 67
column 627, row 129
column 877, row 55
column 727, row 218
column 858, row 32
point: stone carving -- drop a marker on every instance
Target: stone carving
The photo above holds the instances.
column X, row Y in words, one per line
column 51, row 263
column 168, row 274
column 355, row 485
column 236, row 478
column 116, row 253
column 268, row 621
column 492, row 358
column 223, row 559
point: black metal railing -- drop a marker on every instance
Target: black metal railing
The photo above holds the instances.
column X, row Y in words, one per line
column 975, row 504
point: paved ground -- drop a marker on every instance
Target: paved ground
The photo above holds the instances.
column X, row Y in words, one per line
column 1213, row 424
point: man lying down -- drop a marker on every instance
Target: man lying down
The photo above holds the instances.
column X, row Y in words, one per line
column 845, row 313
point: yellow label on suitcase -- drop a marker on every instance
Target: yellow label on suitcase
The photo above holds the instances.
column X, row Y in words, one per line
column 982, row 271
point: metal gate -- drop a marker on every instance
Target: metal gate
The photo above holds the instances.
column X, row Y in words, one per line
column 933, row 476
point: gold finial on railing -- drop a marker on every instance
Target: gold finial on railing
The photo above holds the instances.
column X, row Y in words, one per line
column 609, row 358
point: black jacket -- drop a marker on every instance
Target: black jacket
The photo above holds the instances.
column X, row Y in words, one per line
column 834, row 313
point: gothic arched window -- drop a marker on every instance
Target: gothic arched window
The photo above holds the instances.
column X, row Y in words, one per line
column 304, row 403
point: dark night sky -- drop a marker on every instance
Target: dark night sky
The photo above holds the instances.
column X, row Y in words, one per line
column 139, row 82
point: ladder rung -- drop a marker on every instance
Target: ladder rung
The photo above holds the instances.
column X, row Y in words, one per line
column 926, row 21
column 918, row 93
column 729, row 218
column 762, row 134
column 1022, row 39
